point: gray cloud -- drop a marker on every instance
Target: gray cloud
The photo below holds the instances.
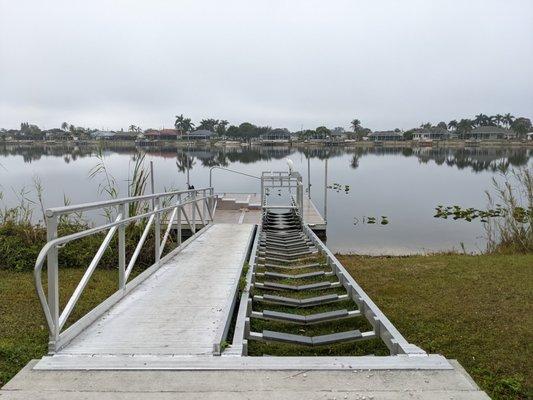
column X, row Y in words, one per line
column 280, row 63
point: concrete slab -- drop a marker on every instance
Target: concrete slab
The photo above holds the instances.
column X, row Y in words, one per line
column 250, row 384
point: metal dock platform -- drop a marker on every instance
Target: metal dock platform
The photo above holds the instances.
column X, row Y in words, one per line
column 182, row 328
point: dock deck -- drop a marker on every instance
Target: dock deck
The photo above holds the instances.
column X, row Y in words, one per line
column 245, row 208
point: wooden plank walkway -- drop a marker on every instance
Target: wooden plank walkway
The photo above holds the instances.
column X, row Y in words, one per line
column 178, row 310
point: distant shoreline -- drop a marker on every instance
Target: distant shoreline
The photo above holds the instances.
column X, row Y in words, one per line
column 296, row 144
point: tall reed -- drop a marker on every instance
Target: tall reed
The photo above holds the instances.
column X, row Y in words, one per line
column 512, row 232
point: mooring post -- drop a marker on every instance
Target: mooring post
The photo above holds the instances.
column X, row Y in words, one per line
column 326, row 192
column 308, row 176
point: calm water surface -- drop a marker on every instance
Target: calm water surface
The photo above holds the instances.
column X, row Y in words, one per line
column 401, row 183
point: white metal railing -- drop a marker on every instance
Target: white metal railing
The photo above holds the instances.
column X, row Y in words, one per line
column 201, row 201
column 283, row 179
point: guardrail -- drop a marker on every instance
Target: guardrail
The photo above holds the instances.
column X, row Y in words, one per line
column 201, row 201
column 283, row 179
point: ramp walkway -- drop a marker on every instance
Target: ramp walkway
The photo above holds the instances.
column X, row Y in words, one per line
column 182, row 304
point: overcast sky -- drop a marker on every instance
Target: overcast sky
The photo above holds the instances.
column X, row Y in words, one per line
column 109, row 64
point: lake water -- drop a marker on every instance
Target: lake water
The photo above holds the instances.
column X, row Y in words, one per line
column 401, row 183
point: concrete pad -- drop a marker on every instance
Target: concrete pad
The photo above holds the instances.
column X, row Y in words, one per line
column 250, row 384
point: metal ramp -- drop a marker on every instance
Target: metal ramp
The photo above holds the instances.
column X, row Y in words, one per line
column 182, row 304
column 168, row 332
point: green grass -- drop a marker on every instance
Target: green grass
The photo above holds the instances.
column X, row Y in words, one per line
column 23, row 330
column 476, row 309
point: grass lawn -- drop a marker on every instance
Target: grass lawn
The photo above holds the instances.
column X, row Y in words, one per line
column 476, row 309
column 23, row 330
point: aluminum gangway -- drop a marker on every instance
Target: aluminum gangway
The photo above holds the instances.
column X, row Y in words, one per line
column 182, row 327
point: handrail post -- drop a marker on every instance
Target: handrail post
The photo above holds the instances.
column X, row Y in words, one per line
column 204, row 206
column 193, row 204
column 178, row 220
column 212, row 203
column 157, row 228
column 53, row 281
column 122, row 249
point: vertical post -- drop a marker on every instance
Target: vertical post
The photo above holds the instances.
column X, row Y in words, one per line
column 308, row 177
column 152, row 186
column 193, row 204
column 212, row 202
column 122, row 249
column 326, row 192
column 204, row 206
column 301, row 198
column 262, row 191
column 53, row 281
column 187, row 161
column 157, row 233
column 178, row 218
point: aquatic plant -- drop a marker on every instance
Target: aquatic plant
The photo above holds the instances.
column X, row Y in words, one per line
column 337, row 187
column 508, row 223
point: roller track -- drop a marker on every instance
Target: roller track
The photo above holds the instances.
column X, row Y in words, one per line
column 294, row 290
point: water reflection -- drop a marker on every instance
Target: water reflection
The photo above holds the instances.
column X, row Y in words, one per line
column 477, row 159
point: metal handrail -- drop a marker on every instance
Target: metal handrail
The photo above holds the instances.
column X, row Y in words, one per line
column 56, row 320
column 109, row 203
column 230, row 170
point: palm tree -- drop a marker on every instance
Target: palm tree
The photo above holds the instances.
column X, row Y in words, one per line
column 452, row 124
column 208, row 124
column 465, row 126
column 132, row 128
column 64, row 126
column 356, row 125
column 183, row 124
column 221, row 127
column 482, row 120
column 498, row 118
column 508, row 119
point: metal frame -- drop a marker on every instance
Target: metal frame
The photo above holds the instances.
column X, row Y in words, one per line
column 381, row 325
column 288, row 180
column 55, row 319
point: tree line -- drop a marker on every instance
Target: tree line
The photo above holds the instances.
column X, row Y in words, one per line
column 248, row 130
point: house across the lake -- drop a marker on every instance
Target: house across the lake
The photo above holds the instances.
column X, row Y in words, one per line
column 129, row 135
column 103, row 135
column 385, row 136
column 431, row 134
column 276, row 136
column 489, row 133
column 200, row 134
column 162, row 134
column 57, row 134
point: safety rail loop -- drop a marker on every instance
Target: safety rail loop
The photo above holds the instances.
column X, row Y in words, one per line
column 56, row 320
